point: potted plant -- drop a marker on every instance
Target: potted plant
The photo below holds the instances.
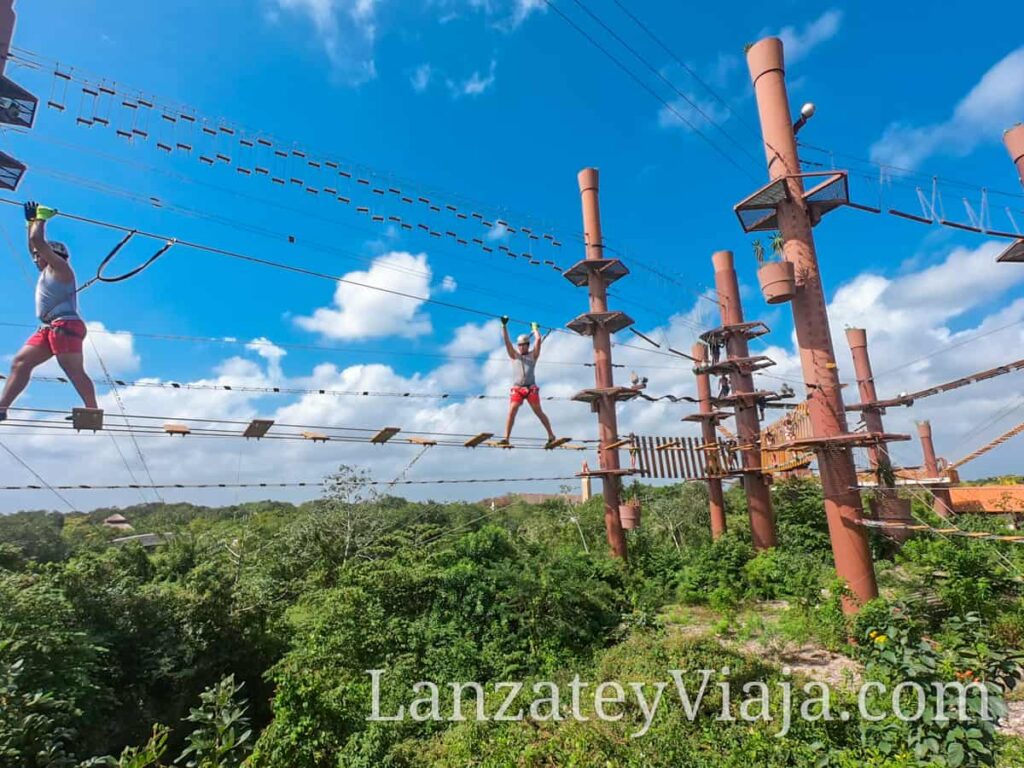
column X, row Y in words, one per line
column 629, row 514
column 777, row 277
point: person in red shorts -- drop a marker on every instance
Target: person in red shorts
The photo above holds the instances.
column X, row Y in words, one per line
column 524, row 382
column 62, row 331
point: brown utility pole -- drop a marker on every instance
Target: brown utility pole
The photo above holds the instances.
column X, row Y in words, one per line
column 19, row 106
column 745, row 401
column 810, row 318
column 1014, row 141
column 942, row 503
column 7, row 18
column 596, row 272
column 708, row 418
column 889, row 507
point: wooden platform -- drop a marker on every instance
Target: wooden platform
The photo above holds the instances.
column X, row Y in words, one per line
column 587, row 323
column 602, row 473
column 713, row 416
column 609, row 269
column 849, row 440
column 618, row 394
column 735, row 365
column 747, row 330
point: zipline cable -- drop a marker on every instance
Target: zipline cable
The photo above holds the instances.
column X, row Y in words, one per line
column 695, row 106
column 291, row 484
column 277, row 390
column 300, row 270
column 120, row 406
column 38, row 477
column 639, row 81
column 164, row 205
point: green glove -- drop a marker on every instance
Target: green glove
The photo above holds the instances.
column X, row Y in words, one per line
column 504, row 319
column 534, row 327
column 36, row 212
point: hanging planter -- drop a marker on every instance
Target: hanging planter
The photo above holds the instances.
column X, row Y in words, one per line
column 777, row 278
column 629, row 514
column 778, row 281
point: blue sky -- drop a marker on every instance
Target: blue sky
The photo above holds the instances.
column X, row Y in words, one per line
column 494, row 105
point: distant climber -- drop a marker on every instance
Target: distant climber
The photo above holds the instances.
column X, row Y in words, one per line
column 723, row 387
column 524, row 382
column 62, row 331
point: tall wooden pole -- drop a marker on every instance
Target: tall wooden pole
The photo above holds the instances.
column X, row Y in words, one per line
column 942, row 500
column 888, row 506
column 748, row 424
column 608, row 429
column 716, row 499
column 1014, row 141
column 7, row 18
column 821, row 376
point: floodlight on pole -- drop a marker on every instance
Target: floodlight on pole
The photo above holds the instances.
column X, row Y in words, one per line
column 806, row 113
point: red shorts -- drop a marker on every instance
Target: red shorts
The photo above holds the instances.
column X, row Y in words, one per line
column 529, row 394
column 61, row 336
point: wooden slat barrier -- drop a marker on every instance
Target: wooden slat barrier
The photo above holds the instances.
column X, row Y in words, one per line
column 793, row 426
column 684, row 458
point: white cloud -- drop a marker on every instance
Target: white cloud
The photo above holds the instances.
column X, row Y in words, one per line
column 449, row 284
column 507, row 15
column 420, row 79
column 670, row 117
column 359, row 313
column 523, row 10
column 347, row 30
column 995, row 102
column 473, row 339
column 475, row 85
column 270, row 352
column 497, row 232
column 798, row 43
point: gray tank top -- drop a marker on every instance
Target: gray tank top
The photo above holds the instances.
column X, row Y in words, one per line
column 55, row 299
column 522, row 371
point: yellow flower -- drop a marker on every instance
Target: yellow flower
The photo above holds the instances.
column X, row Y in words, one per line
column 872, row 634
column 881, row 639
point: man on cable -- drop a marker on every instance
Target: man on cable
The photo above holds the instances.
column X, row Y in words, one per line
column 524, row 382
column 62, row 331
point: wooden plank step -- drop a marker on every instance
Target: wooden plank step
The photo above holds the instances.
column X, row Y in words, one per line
column 258, row 428
column 316, row 437
column 556, row 443
column 177, row 429
column 619, row 443
column 384, row 435
column 476, row 440
column 421, row 441
column 87, row 418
